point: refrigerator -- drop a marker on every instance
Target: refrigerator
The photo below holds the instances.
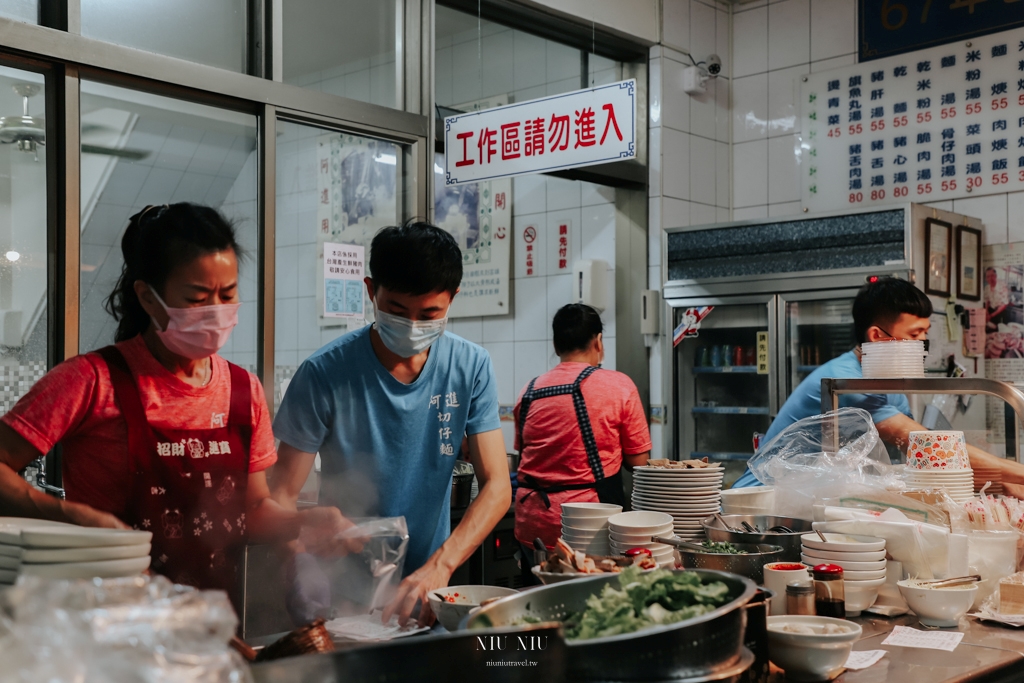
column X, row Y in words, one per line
column 767, row 325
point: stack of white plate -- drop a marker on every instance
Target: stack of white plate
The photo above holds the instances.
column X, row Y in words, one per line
column 689, row 496
column 958, row 484
column 585, row 526
column 54, row 550
column 862, row 559
column 635, row 530
column 887, row 359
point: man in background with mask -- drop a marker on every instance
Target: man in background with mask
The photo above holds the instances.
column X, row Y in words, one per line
column 387, row 407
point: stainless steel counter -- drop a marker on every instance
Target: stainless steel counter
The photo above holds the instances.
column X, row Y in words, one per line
column 988, row 653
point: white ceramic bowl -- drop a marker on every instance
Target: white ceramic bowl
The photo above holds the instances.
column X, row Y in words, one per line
column 843, row 543
column 752, row 496
column 830, row 556
column 640, row 522
column 938, row 606
column 860, row 595
column 629, row 538
column 470, row 597
column 810, row 657
column 575, row 510
column 583, row 533
column 731, row 509
column 864, row 576
column 847, row 565
column 585, row 522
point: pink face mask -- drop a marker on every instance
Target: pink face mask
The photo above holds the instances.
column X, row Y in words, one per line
column 197, row 332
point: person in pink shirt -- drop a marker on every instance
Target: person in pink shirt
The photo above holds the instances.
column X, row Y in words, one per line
column 576, row 426
column 160, row 433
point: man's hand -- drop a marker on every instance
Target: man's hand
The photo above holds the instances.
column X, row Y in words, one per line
column 83, row 515
column 413, row 589
column 322, row 532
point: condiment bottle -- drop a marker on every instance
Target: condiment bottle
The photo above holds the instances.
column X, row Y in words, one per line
column 829, row 592
column 800, row 598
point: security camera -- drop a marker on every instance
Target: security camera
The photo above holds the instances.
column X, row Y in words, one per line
column 714, row 65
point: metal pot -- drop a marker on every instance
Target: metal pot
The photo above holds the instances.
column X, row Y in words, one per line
column 700, row 648
column 790, row 542
column 749, row 564
column 462, row 490
column 499, row 655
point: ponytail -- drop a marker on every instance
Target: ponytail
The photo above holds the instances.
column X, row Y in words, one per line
column 158, row 240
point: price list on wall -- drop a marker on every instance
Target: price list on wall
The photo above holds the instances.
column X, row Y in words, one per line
column 941, row 123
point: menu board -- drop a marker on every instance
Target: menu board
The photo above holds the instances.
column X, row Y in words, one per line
column 941, row 123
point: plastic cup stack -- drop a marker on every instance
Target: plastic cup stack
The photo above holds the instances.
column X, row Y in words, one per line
column 892, row 359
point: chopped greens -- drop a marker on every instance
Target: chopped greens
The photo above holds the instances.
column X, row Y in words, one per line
column 643, row 600
column 722, row 548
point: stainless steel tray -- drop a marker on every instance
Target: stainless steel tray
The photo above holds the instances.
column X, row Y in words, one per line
column 694, row 649
column 790, row 542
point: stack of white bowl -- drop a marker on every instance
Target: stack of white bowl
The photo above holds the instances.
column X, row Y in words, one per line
column 635, row 530
column 888, row 359
column 753, row 500
column 939, row 460
column 688, row 495
column 862, row 559
column 33, row 547
column 585, row 526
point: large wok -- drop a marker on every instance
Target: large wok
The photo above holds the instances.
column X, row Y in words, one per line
column 702, row 648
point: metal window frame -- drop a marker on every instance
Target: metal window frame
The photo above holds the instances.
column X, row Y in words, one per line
column 56, row 49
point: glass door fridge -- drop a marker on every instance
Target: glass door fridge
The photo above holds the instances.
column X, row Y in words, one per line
column 724, row 395
column 816, row 327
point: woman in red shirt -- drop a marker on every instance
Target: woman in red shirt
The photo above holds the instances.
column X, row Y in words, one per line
column 159, row 432
column 577, row 425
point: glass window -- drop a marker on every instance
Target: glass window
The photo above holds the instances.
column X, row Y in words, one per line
column 22, row 10
column 140, row 149
column 210, row 32
column 331, row 188
column 344, row 47
column 23, row 257
column 485, row 64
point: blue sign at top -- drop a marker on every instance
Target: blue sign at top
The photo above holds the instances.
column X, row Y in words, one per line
column 891, row 27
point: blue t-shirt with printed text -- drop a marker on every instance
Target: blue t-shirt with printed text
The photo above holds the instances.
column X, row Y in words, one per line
column 805, row 401
column 386, row 448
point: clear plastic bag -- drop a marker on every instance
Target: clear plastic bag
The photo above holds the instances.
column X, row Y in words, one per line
column 134, row 630
column 823, row 456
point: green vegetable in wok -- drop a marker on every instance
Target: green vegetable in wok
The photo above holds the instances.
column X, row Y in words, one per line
column 722, row 548
column 643, row 600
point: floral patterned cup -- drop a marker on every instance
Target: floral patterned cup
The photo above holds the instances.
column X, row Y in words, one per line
column 938, row 451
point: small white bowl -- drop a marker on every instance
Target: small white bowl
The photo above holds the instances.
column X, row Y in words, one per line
column 584, row 523
column 940, row 607
column 470, row 597
column 753, row 495
column 629, row 538
column 830, row 556
column 864, row 576
column 810, row 657
column 843, row 543
column 846, row 564
column 573, row 531
column 640, row 522
column 576, row 510
column 860, row 595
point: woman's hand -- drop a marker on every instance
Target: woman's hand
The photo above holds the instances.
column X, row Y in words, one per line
column 83, row 515
column 322, row 530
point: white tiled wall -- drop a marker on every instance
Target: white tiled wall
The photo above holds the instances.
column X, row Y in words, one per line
column 774, row 44
column 367, row 80
column 690, row 162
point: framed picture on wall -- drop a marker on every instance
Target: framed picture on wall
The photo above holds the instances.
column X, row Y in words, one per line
column 968, row 263
column 938, row 243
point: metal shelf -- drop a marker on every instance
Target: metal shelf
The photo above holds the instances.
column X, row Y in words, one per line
column 726, row 370
column 730, row 410
column 722, row 456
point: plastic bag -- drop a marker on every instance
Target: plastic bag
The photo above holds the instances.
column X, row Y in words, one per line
column 353, row 584
column 135, row 630
column 823, row 456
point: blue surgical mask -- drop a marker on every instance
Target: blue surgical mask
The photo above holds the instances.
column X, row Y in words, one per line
column 405, row 337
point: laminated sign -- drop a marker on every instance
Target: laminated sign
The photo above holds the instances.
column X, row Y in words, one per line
column 582, row 128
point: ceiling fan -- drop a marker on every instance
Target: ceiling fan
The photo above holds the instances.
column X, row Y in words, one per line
column 28, row 132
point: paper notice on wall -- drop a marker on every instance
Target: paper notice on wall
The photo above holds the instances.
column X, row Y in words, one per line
column 479, row 217
column 356, row 181
column 344, row 271
column 1004, row 325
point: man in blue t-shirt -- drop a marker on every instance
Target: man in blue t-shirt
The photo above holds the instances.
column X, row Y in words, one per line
column 387, row 407
column 884, row 310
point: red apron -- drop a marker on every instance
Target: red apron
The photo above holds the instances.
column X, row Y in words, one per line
column 188, row 484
